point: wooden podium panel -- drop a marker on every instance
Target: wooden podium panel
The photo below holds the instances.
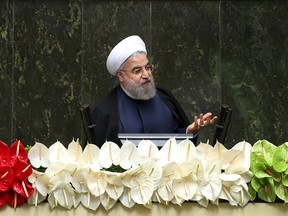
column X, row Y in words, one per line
column 224, row 209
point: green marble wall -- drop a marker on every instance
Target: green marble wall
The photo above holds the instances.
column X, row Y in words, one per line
column 53, row 56
column 254, row 79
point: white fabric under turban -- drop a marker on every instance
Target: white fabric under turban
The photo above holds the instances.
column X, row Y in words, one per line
column 122, row 51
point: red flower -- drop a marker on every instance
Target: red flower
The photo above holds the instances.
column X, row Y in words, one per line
column 18, row 152
column 14, row 172
column 23, row 188
column 22, row 170
column 6, row 178
column 15, row 199
column 4, row 155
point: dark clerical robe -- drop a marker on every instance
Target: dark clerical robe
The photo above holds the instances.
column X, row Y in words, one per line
column 119, row 113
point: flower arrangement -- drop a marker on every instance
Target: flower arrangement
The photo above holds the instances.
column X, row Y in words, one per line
column 142, row 174
column 269, row 165
column 14, row 172
column 176, row 173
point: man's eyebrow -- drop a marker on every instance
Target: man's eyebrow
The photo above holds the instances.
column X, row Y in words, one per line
column 138, row 67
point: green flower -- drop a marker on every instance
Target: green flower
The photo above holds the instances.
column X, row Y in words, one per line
column 265, row 188
column 280, row 155
column 269, row 165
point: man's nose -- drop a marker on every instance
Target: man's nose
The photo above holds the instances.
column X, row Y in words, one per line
column 145, row 73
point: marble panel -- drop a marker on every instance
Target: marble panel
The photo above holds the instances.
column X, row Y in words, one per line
column 185, row 49
column 254, row 56
column 6, row 72
column 47, row 71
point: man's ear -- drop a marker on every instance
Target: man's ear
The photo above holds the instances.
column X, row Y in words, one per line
column 120, row 76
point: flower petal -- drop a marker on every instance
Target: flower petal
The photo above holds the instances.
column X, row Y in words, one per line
column 107, row 202
column 74, row 151
column 186, row 151
column 58, row 153
column 141, row 189
column 5, row 154
column 18, row 152
column 90, row 201
column 168, row 152
column 146, row 150
column 39, row 155
column 97, row 183
column 128, row 155
column 6, row 178
column 126, row 199
column 90, row 157
column 64, row 194
column 109, row 154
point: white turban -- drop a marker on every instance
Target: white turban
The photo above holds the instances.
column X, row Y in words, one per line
column 122, row 51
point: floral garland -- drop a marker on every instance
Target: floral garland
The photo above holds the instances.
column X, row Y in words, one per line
column 142, row 174
column 175, row 173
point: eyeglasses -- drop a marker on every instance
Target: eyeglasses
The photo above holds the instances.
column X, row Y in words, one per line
column 140, row 70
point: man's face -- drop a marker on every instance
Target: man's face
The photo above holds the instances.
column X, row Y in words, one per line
column 136, row 77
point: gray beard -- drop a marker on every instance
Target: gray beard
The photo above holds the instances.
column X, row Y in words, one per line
column 139, row 92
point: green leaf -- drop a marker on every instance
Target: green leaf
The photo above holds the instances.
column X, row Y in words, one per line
column 114, row 168
column 280, row 159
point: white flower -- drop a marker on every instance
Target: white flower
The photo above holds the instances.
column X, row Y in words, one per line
column 90, row 201
column 201, row 199
column 241, row 162
column 40, row 183
column 165, row 189
column 203, row 151
column 141, row 188
column 210, row 184
column 114, row 186
column 39, row 155
column 74, row 152
column 109, row 154
column 63, row 194
column 36, row 198
column 146, row 150
column 212, row 188
column 184, row 185
column 90, row 158
column 97, row 182
column 140, row 183
column 186, row 151
column 79, row 180
column 168, row 152
column 107, row 202
column 58, row 153
column 126, row 199
column 128, row 155
column 234, row 189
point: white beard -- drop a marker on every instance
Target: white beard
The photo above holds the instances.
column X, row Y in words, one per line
column 139, row 92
